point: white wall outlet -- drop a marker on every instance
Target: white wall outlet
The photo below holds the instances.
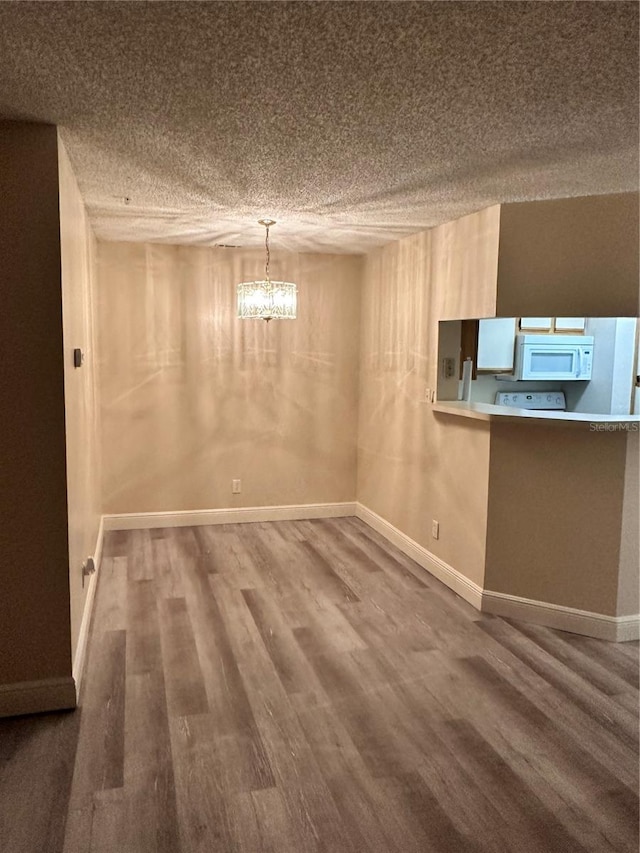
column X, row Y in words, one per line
column 428, row 395
column 435, row 529
column 448, row 368
column 236, row 487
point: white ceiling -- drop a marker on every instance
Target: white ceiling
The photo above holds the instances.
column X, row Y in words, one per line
column 351, row 123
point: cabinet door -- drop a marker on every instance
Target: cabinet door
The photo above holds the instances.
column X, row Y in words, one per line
column 536, row 324
column 570, row 324
column 496, row 342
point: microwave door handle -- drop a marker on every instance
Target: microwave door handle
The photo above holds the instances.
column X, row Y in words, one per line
column 579, row 359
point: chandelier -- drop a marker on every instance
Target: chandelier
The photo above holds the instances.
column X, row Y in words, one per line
column 266, row 299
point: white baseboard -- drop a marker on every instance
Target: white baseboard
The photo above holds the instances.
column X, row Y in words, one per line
column 598, row 625
column 83, row 635
column 628, row 628
column 232, row 515
column 33, row 697
column 449, row 576
column 612, row 628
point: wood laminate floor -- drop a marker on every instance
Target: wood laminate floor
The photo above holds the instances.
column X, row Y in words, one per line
column 295, row 687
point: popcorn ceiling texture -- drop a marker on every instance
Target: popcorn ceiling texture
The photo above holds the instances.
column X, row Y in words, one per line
column 351, row 123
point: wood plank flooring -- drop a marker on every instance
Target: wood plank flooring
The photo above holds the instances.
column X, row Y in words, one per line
column 303, row 687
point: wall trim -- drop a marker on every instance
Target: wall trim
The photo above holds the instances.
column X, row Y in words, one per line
column 33, row 697
column 586, row 622
column 455, row 580
column 229, row 515
column 83, row 634
column 597, row 625
column 628, row 628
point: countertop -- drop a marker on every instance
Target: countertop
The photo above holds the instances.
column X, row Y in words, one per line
column 489, row 411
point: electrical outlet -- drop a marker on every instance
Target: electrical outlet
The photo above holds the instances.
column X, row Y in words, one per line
column 236, row 487
column 448, row 368
column 428, row 395
column 88, row 568
column 435, row 529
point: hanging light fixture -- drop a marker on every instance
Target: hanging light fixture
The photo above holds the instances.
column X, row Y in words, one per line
column 266, row 299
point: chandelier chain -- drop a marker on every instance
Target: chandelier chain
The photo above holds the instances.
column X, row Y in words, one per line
column 266, row 269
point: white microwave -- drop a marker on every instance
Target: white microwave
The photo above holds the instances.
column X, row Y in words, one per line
column 549, row 357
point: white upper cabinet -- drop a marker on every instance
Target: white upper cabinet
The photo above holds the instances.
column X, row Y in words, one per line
column 536, row 324
column 496, row 344
column 570, row 324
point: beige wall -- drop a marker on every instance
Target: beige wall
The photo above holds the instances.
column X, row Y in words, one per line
column 464, row 266
column 415, row 465
column 569, row 257
column 34, row 577
column 555, row 514
column 566, row 257
column 629, row 572
column 78, row 248
column 535, row 511
column 192, row 397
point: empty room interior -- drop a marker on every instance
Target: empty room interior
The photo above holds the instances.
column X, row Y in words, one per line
column 317, row 534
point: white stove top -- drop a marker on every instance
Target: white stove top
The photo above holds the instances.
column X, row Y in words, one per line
column 532, row 400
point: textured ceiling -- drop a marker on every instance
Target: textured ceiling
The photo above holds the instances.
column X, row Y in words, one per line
column 350, row 123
